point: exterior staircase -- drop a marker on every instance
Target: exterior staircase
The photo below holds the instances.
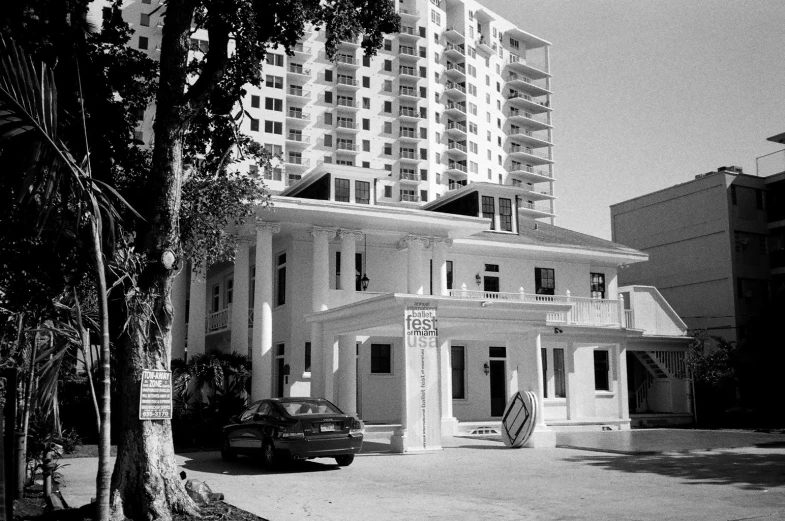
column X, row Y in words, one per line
column 660, row 365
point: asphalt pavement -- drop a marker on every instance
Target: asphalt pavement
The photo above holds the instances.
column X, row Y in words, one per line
column 642, row 474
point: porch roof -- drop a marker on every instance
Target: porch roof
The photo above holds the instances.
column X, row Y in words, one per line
column 464, row 318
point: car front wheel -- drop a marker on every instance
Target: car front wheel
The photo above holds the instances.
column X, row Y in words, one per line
column 268, row 455
column 226, row 451
column 345, row 460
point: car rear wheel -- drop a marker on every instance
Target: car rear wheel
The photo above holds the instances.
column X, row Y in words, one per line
column 345, row 460
column 268, row 455
column 226, row 451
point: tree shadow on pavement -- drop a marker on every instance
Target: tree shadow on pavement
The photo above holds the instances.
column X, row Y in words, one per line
column 746, row 471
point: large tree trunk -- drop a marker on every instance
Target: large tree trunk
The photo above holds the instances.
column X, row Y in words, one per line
column 145, row 483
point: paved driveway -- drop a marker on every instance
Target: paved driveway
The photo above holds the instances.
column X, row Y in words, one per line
column 480, row 479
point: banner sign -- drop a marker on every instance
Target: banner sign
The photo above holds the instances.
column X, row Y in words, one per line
column 155, row 397
column 422, row 342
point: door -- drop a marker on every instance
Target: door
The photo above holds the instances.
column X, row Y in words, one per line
column 490, row 285
column 498, row 379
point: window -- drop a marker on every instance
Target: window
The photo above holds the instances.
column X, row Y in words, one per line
column 560, row 385
column 273, row 127
column 274, row 59
column 387, row 149
column 472, row 147
column 514, row 44
column 472, row 71
column 601, row 370
column 366, row 103
column 274, row 82
column 342, row 190
column 458, row 365
column 387, row 129
column 436, row 17
column 362, row 192
column 388, row 107
column 505, row 214
column 493, row 268
column 544, row 281
column 366, row 145
column 328, row 75
column 280, row 280
column 328, row 140
column 307, row 357
column 424, row 196
column 597, row 285
column 228, row 289
column 387, row 45
column 388, row 191
column 449, row 274
column 388, row 65
column 544, row 355
column 144, row 20
column 488, row 210
column 143, row 42
column 276, row 150
column 387, row 86
column 473, row 128
column 328, row 96
column 366, row 61
column 254, row 125
column 472, row 90
column 215, row 299
column 472, row 109
column 273, row 104
column 381, row 359
column 255, row 102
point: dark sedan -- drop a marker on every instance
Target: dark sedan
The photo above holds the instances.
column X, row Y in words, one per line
column 293, row 428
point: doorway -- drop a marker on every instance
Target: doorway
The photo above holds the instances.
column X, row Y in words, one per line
column 280, row 376
column 498, row 380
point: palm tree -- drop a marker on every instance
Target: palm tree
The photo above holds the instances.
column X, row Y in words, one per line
column 52, row 178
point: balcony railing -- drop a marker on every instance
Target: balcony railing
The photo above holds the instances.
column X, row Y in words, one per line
column 460, row 107
column 299, row 161
column 403, row 111
column 217, row 321
column 298, row 69
column 342, row 58
column 346, row 103
column 299, row 91
column 411, row 198
column 456, row 146
column 408, row 133
column 351, row 147
column 456, row 48
column 347, row 81
column 407, row 91
column 530, row 169
column 456, row 86
column 457, row 166
column 407, row 71
column 410, row 176
column 297, row 114
column 457, row 126
column 292, row 136
column 405, row 29
column 456, row 67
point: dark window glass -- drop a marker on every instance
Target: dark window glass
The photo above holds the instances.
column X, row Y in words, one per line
column 307, row 357
column 494, row 268
column 328, row 97
column 362, row 192
column 388, row 191
column 497, row 352
column 328, row 75
column 458, row 363
column 381, row 361
column 544, row 354
column 597, row 285
column 143, row 42
column 255, row 102
column 505, row 214
column 366, row 82
column 342, row 190
column 733, row 194
column 560, row 387
column 545, row 281
column 488, row 210
column 280, row 288
column 449, row 274
column 601, row 370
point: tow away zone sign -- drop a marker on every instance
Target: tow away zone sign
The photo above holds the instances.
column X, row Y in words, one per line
column 155, row 396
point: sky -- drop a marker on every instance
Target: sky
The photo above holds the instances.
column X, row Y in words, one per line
column 649, row 93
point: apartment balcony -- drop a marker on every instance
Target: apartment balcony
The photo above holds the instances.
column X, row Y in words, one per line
column 218, row 321
column 410, row 198
column 296, row 163
column 455, row 91
column 456, row 184
column 526, row 103
column 535, row 210
column 456, row 129
column 527, row 138
column 409, row 114
column 346, row 84
column 346, row 127
column 298, row 94
column 301, row 49
column 297, row 140
column 529, row 155
column 295, row 70
column 346, row 62
column 525, row 84
column 486, row 45
column 409, row 14
column 405, row 91
column 455, row 109
column 342, row 104
column 409, row 177
column 455, row 52
column 457, row 170
column 529, row 173
column 408, row 156
column 408, row 53
column 518, row 65
column 456, row 71
column 409, row 33
column 456, row 150
column 347, row 148
column 533, row 193
column 298, row 116
column 409, row 136
column 349, row 44
column 455, row 35
column 528, row 119
column 405, row 70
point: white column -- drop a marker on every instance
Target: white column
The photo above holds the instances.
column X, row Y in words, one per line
column 440, row 246
column 530, row 378
column 328, row 365
column 347, row 372
column 348, row 251
column 321, row 267
column 622, row 393
column 414, row 265
column 449, row 422
column 197, row 311
column 262, row 344
column 240, row 296
column 179, row 296
column 317, row 361
column 539, row 389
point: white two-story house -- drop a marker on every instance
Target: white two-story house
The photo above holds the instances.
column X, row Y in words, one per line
column 322, row 280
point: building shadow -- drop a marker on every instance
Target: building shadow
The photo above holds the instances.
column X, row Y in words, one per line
column 743, row 470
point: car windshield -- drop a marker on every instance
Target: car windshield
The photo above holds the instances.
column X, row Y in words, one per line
column 306, row 408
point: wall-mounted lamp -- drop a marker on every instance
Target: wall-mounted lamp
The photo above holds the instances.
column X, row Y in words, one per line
column 478, row 279
column 556, row 331
column 486, row 369
column 364, row 281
